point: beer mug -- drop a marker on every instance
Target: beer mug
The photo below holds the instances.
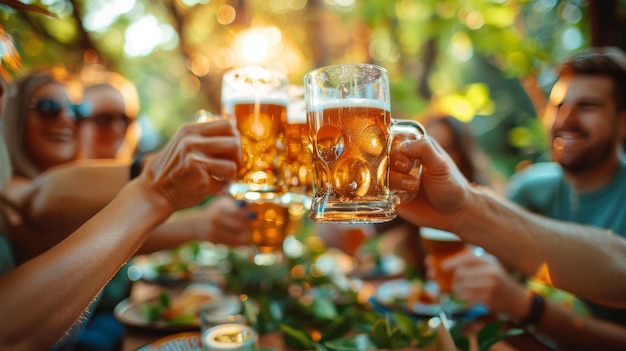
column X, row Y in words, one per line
column 351, row 131
column 256, row 100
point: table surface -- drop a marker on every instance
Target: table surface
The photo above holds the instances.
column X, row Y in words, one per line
column 136, row 338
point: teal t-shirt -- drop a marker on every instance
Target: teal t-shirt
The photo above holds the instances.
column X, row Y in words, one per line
column 542, row 189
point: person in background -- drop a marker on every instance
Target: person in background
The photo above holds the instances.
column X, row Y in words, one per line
column 55, row 194
column 63, row 281
column 586, row 184
column 111, row 131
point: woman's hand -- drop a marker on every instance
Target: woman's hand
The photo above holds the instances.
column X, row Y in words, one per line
column 227, row 222
column 198, row 161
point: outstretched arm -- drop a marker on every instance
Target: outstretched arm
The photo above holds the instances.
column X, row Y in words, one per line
column 517, row 237
column 63, row 281
column 65, row 197
column 221, row 221
column 482, row 279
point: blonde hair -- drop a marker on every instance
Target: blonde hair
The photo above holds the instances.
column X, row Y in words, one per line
column 15, row 117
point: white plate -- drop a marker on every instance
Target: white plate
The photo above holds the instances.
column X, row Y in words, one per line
column 186, row 341
column 389, row 294
column 144, row 267
column 129, row 312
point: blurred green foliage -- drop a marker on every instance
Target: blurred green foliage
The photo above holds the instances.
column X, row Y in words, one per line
column 487, row 62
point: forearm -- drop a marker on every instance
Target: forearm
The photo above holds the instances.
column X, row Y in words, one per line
column 65, row 198
column 529, row 242
column 64, row 280
column 173, row 233
column 574, row 332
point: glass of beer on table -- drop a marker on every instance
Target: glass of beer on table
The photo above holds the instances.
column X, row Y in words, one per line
column 441, row 245
column 351, row 133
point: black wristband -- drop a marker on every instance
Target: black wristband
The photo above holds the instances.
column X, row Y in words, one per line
column 535, row 312
column 135, row 167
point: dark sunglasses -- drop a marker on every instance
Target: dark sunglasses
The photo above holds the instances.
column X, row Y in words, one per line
column 106, row 119
column 50, row 109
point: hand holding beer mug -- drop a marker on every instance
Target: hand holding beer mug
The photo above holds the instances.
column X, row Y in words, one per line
column 351, row 130
column 441, row 245
column 256, row 100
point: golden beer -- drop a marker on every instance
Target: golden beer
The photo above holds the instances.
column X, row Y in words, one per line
column 295, row 159
column 258, row 123
column 269, row 229
column 256, row 100
column 350, row 128
column 441, row 245
column 350, row 162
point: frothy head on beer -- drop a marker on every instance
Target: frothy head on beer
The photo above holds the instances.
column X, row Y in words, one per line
column 254, row 80
column 349, row 103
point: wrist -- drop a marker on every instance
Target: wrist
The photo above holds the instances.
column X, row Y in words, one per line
column 159, row 204
column 473, row 215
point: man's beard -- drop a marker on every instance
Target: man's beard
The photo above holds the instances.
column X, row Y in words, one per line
column 585, row 159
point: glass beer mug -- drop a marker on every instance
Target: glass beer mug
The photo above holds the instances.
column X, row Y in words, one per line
column 351, row 131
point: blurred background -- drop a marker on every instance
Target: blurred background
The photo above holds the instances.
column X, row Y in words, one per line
column 489, row 63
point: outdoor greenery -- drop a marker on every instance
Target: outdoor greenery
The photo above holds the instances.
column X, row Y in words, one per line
column 314, row 308
column 487, row 62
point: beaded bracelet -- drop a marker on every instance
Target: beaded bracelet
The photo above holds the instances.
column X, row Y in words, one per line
column 135, row 167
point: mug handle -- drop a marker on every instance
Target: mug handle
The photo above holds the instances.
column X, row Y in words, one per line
column 402, row 130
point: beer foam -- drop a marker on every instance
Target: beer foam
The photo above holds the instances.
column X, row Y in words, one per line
column 228, row 103
column 439, row 235
column 296, row 112
column 351, row 102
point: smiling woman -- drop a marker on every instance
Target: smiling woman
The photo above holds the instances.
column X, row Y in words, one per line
column 41, row 131
column 41, row 122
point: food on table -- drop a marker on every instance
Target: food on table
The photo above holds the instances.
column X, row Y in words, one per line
column 181, row 309
column 418, row 294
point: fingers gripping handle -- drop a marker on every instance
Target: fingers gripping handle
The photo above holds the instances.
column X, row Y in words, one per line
column 402, row 130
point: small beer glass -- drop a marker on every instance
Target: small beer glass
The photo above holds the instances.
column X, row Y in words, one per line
column 441, row 245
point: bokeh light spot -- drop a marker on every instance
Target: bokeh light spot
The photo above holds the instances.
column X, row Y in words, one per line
column 571, row 38
column 254, row 47
column 475, row 20
column 226, row 14
column 461, row 46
